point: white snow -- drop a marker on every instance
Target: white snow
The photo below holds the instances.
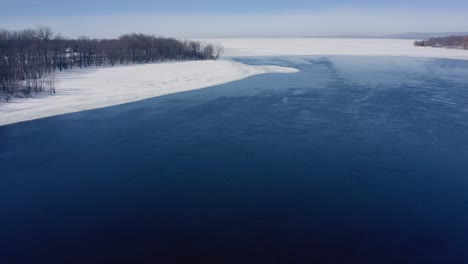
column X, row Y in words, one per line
column 333, row 46
column 80, row 90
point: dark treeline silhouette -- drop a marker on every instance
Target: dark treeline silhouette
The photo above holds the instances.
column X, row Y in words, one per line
column 453, row 42
column 28, row 57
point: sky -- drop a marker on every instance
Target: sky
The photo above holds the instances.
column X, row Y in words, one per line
column 236, row 18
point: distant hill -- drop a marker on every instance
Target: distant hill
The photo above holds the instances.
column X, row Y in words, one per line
column 416, row 35
column 411, row 35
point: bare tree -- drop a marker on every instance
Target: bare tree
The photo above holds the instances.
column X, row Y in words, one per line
column 219, row 50
column 455, row 42
column 28, row 58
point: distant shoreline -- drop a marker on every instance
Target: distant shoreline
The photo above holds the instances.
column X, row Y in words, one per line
column 452, row 42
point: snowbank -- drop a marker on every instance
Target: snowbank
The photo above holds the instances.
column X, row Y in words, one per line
column 323, row 46
column 80, row 90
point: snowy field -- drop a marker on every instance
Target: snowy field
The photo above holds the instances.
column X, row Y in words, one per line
column 80, row 90
column 323, row 46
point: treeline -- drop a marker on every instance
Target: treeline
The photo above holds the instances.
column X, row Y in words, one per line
column 453, row 42
column 29, row 57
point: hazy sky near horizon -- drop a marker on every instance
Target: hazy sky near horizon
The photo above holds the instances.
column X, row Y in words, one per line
column 236, row 18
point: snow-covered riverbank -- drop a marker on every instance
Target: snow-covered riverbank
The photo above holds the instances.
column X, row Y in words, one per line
column 80, row 90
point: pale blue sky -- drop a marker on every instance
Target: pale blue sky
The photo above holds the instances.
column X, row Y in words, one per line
column 216, row 18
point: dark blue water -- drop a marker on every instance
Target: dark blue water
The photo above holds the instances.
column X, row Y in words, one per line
column 351, row 160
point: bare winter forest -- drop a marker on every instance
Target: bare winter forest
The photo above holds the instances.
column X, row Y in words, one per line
column 28, row 58
column 453, row 42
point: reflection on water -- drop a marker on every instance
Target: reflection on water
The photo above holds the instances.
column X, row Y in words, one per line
column 351, row 160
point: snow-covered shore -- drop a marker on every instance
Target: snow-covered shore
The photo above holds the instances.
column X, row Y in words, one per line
column 80, row 90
